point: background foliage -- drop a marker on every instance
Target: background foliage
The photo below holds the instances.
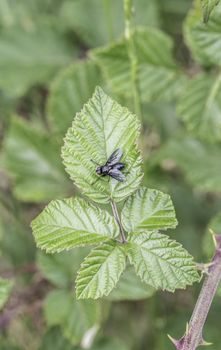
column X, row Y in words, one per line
column 52, row 55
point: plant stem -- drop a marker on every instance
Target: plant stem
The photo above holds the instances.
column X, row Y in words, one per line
column 193, row 336
column 117, row 218
column 107, row 11
column 129, row 35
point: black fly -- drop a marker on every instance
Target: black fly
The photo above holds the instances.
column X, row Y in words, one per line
column 113, row 166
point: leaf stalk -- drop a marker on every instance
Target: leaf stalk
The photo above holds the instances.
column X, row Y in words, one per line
column 129, row 36
column 117, row 218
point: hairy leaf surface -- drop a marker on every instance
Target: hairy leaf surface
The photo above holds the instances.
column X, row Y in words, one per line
column 200, row 107
column 97, row 131
column 159, row 77
column 69, row 91
column 161, row 262
column 100, row 271
column 69, row 223
column 148, row 209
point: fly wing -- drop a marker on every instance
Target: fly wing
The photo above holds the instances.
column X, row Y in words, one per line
column 117, row 174
column 115, row 157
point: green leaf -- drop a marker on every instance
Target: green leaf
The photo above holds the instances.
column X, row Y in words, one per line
column 159, row 77
column 200, row 107
column 55, row 315
column 69, row 91
column 161, row 262
column 148, row 209
column 98, row 130
column 100, row 271
column 59, row 269
column 204, row 40
column 130, row 287
column 5, row 289
column 32, row 159
column 65, row 224
column 32, row 56
column 200, row 162
column 75, row 317
column 207, row 7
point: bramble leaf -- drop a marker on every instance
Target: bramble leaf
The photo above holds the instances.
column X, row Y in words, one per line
column 200, row 106
column 99, row 129
column 161, row 262
column 69, row 91
column 65, row 224
column 159, row 77
column 148, row 209
column 101, row 270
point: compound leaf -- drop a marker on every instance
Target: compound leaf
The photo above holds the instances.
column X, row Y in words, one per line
column 69, row 223
column 161, row 262
column 98, row 130
column 101, row 270
column 148, row 209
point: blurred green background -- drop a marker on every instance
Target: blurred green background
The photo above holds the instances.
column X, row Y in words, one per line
column 52, row 55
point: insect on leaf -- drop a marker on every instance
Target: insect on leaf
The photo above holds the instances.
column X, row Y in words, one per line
column 97, row 131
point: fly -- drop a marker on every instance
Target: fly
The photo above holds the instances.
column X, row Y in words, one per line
column 112, row 167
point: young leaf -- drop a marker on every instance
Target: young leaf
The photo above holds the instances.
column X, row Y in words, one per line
column 97, row 131
column 100, row 271
column 32, row 159
column 200, row 106
column 69, row 91
column 161, row 262
column 159, row 77
column 148, row 209
column 5, row 289
column 65, row 224
column 207, row 7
